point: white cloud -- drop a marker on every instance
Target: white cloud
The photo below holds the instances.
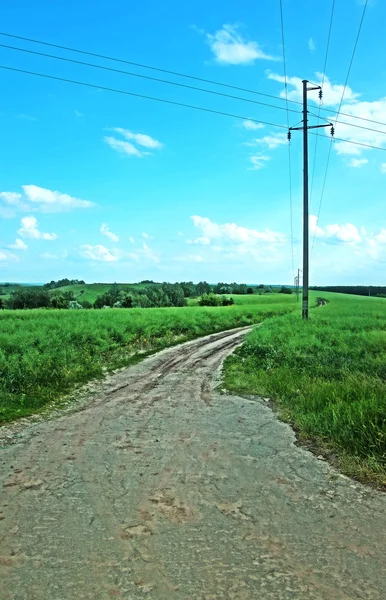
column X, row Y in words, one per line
column 335, row 233
column 258, row 162
column 228, row 242
column 106, row 231
column 271, row 141
column 358, row 162
column 229, row 47
column 99, row 253
column 127, row 147
column 311, row 45
column 251, row 125
column 230, row 231
column 7, row 257
column 149, row 254
column 351, row 107
column 43, row 200
column 29, row 229
column 18, row 245
column 140, row 138
column 49, row 256
column 11, row 198
column 383, row 168
column 147, row 236
column 132, row 240
column 332, row 93
column 53, row 201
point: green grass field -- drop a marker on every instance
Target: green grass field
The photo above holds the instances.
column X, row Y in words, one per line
column 327, row 376
column 46, row 353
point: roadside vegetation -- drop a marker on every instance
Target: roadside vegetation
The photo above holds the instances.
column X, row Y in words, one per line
column 44, row 354
column 326, row 376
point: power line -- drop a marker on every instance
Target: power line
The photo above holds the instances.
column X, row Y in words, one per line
column 164, row 101
column 340, row 105
column 78, row 62
column 320, row 102
column 289, row 145
column 117, row 91
column 177, row 74
column 191, row 87
column 175, row 83
column 351, row 142
column 142, row 66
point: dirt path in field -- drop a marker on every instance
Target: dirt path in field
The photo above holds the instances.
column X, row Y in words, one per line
column 160, row 487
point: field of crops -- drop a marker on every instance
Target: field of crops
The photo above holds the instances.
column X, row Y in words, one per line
column 46, row 353
column 327, row 376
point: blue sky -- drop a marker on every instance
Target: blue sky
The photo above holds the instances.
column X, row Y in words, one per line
column 108, row 187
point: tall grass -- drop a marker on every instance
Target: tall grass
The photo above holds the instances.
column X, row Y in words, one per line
column 45, row 353
column 327, row 375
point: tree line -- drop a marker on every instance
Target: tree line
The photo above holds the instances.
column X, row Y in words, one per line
column 359, row 290
column 151, row 295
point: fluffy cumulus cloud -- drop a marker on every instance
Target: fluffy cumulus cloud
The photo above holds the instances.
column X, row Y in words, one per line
column 251, row 125
column 230, row 47
column 258, row 162
column 18, row 245
column 212, row 232
column 29, row 229
column 354, row 248
column 358, row 162
column 271, row 141
column 335, row 233
column 106, row 232
column 132, row 143
column 7, row 257
column 348, row 126
column 221, row 242
column 99, row 253
column 311, row 45
column 42, row 200
column 332, row 93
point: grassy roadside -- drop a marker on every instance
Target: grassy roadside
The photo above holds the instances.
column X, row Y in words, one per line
column 44, row 354
column 327, row 377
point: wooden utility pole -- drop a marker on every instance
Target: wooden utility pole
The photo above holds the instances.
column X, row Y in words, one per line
column 305, row 127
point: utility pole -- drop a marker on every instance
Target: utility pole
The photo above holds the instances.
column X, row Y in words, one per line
column 305, row 127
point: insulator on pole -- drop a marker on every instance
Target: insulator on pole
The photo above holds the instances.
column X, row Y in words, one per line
column 289, row 136
column 332, row 131
column 320, row 94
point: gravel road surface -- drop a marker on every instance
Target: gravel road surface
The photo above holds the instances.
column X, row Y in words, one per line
column 159, row 486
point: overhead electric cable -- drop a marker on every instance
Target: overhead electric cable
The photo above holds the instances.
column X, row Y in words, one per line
column 337, row 115
column 176, row 73
column 289, row 145
column 200, row 108
column 117, row 91
column 320, row 101
column 175, row 83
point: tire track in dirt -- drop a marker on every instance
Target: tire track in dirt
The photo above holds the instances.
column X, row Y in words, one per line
column 160, row 487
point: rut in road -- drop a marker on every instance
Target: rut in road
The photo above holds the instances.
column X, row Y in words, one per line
column 158, row 486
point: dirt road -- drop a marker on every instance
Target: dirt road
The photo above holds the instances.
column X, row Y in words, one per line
column 160, row 487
